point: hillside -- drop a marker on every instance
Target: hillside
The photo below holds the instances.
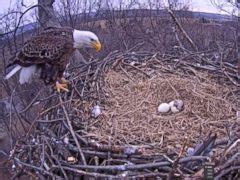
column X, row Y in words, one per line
column 104, row 15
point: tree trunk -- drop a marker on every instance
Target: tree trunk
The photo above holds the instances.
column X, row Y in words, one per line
column 238, row 38
column 47, row 17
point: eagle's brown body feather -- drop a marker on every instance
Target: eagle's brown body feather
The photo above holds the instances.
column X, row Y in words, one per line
column 51, row 51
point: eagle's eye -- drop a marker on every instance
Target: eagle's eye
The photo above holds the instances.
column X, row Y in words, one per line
column 91, row 39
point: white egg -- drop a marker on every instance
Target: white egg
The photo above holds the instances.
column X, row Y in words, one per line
column 171, row 103
column 96, row 111
column 163, row 108
column 174, row 109
column 176, row 105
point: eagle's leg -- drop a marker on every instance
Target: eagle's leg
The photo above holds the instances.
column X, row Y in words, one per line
column 61, row 86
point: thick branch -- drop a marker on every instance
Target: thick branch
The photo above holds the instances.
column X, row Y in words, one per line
column 47, row 18
column 182, row 30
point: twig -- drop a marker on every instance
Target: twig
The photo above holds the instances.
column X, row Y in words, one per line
column 228, row 163
column 175, row 163
column 11, row 128
column 35, row 168
column 72, row 131
column 182, row 30
column 226, row 171
column 30, row 104
column 91, row 174
column 127, row 167
column 230, row 147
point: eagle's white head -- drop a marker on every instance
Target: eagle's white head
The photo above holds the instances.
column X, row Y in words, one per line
column 86, row 39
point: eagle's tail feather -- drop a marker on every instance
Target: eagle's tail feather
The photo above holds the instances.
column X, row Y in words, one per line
column 13, row 71
column 27, row 73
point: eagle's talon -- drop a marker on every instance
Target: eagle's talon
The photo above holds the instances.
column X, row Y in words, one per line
column 64, row 81
column 58, row 87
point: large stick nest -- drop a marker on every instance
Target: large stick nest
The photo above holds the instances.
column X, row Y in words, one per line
column 130, row 137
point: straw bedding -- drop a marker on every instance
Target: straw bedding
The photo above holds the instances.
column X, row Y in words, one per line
column 130, row 114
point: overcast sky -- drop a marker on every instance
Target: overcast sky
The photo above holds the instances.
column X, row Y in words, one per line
column 197, row 5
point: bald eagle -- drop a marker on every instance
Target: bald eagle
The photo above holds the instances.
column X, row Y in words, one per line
column 49, row 53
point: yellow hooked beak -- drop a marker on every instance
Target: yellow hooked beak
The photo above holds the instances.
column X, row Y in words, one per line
column 96, row 45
